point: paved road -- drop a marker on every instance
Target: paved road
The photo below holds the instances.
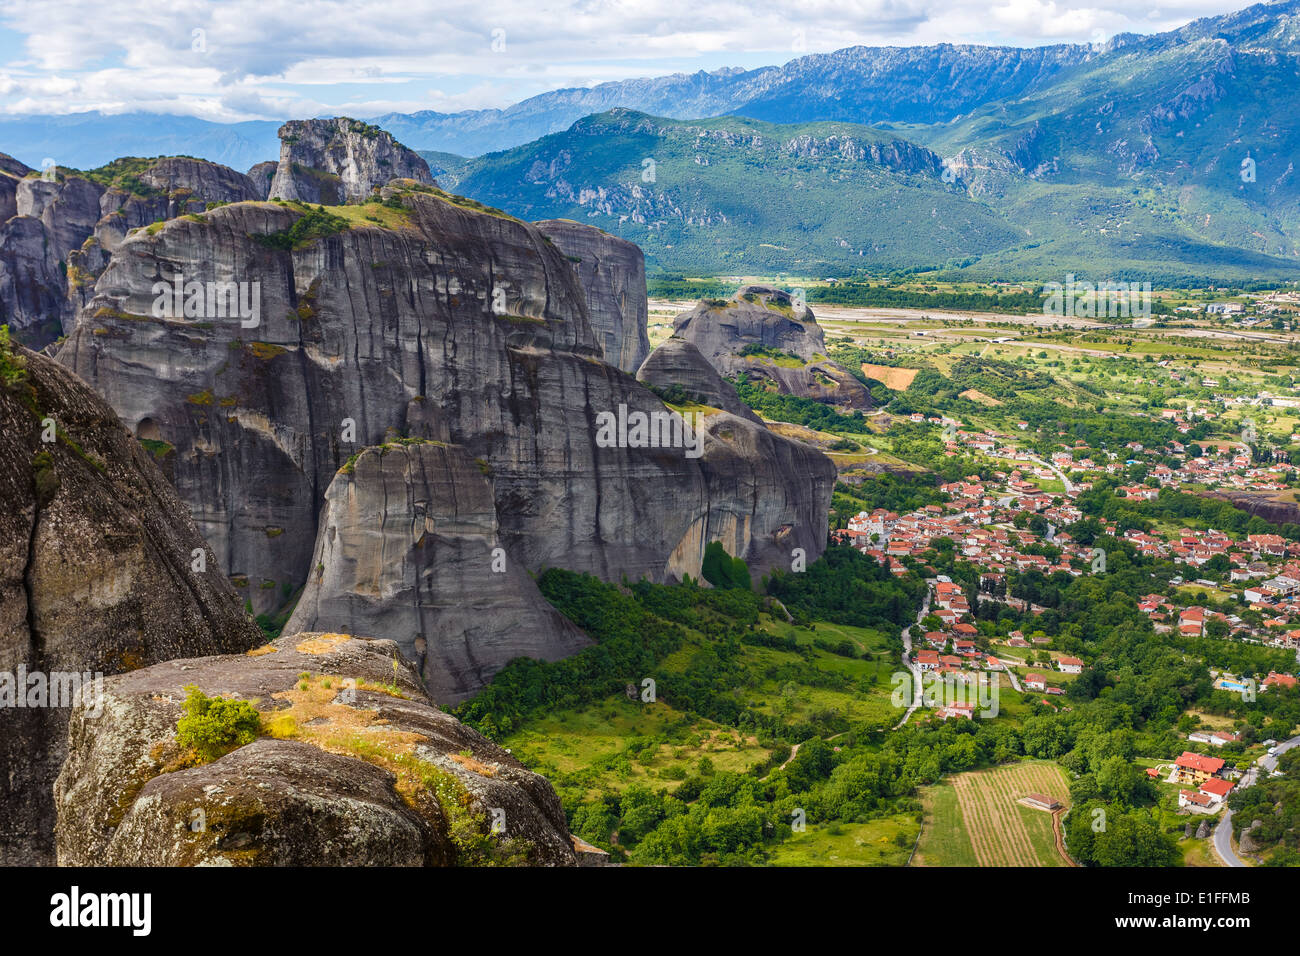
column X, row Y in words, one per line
column 907, row 656
column 1223, row 832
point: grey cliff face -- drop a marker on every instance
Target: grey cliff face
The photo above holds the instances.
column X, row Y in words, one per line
column 172, row 186
column 763, row 333
column 48, row 218
column 340, row 160
column 408, row 548
column 261, row 175
column 450, row 323
column 767, row 496
column 361, row 770
column 97, row 574
column 58, row 233
column 755, row 510
column 32, row 301
column 612, row 273
column 679, row 363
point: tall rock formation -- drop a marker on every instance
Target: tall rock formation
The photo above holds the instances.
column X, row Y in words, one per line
column 333, row 161
column 763, row 333
column 60, row 228
column 408, row 548
column 418, row 315
column 262, row 175
column 101, row 570
column 612, row 273
column 354, row 767
column 141, row 193
column 755, row 510
column 48, row 215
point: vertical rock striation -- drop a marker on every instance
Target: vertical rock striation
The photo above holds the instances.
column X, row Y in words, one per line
column 408, row 548
column 612, row 273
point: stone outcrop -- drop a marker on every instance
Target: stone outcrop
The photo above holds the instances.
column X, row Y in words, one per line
column 101, row 570
column 755, row 510
column 408, row 548
column 612, row 273
column 67, row 207
column 333, row 161
column 678, row 363
column 439, row 319
column 262, row 175
column 32, row 299
column 164, row 189
column 46, row 218
column 59, row 232
column 767, row 496
column 761, row 332
column 355, row 766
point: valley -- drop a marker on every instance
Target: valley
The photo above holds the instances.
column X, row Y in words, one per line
column 885, row 459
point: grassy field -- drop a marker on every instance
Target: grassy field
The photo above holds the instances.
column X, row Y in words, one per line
column 974, row 819
column 616, row 742
column 885, row 842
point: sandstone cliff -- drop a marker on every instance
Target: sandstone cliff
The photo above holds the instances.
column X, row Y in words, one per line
column 354, row 767
column 58, row 233
column 339, row 160
column 424, row 315
column 408, row 548
column 262, row 175
column 49, row 217
column 101, row 570
column 141, row 193
column 764, row 334
column 612, row 273
column 678, row 364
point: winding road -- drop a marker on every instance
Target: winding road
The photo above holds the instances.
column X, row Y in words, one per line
column 1223, row 832
column 910, row 664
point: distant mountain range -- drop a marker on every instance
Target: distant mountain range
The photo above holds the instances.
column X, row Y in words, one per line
column 1167, row 156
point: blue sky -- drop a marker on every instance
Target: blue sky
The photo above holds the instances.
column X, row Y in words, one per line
column 271, row 59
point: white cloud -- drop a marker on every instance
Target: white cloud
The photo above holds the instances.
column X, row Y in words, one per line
column 275, row 58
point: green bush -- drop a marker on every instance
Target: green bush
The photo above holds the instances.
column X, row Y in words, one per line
column 722, row 570
column 214, row 726
column 12, row 367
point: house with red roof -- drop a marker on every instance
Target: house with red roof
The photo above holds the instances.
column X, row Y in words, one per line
column 1285, row 681
column 1195, row 801
column 1196, row 768
column 927, row 660
column 1216, row 789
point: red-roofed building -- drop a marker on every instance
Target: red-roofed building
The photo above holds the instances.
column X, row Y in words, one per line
column 1278, row 680
column 1195, row 768
column 1216, row 789
column 1070, row 665
column 1194, row 800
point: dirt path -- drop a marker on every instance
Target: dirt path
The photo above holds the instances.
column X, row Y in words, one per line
column 793, row 753
column 1059, row 835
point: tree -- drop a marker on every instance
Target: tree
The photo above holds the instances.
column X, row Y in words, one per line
column 722, row 570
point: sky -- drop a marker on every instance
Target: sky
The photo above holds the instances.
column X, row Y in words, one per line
column 231, row 60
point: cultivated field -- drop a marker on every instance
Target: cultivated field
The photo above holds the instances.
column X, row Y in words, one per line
column 975, row 819
column 899, row 379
